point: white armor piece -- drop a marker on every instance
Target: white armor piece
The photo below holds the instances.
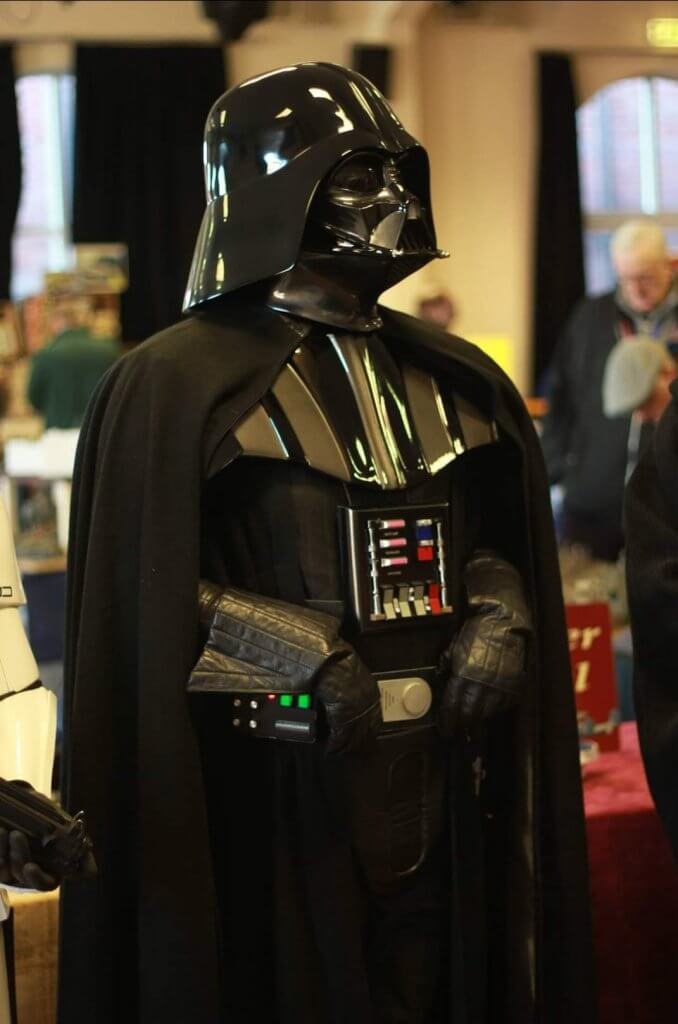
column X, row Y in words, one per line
column 27, row 716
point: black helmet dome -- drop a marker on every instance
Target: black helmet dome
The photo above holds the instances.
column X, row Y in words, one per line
column 269, row 142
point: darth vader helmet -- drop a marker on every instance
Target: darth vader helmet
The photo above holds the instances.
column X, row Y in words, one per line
column 308, row 167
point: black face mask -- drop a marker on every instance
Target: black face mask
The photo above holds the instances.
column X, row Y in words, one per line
column 369, row 205
column 366, row 230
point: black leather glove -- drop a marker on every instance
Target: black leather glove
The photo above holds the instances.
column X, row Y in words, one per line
column 256, row 644
column 17, row 863
column 350, row 698
column 39, row 843
column 484, row 667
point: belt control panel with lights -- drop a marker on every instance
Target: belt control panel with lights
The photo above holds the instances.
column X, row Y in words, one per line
column 398, row 564
column 281, row 716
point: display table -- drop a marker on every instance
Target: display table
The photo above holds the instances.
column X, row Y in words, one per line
column 634, row 891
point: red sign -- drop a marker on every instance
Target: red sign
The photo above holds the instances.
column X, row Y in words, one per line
column 590, row 637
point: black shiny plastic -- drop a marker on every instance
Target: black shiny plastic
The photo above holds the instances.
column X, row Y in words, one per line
column 269, row 143
column 366, row 230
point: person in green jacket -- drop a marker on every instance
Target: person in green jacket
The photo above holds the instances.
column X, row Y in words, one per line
column 64, row 374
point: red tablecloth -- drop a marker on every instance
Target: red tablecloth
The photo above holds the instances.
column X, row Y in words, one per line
column 634, row 891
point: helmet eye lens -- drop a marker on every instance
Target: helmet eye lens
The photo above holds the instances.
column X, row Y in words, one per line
column 361, row 174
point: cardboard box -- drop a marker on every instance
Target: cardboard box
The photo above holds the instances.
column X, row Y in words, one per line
column 36, row 923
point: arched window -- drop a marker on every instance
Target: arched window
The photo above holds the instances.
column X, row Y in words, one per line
column 628, row 163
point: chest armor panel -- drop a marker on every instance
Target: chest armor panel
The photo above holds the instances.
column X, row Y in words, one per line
column 379, row 439
column 342, row 406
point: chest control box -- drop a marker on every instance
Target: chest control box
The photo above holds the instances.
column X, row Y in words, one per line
column 279, row 716
column 398, row 563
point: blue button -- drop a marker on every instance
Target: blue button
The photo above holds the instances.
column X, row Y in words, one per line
column 424, row 533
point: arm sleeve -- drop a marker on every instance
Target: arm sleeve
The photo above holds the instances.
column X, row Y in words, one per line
column 256, row 642
column 491, row 646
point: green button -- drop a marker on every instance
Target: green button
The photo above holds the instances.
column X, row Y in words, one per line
column 304, row 701
column 286, row 701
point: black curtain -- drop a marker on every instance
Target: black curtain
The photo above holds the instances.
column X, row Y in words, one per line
column 140, row 114
column 10, row 167
column 559, row 257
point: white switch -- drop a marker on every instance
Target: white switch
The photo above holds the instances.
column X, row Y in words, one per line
column 417, row 698
column 404, row 699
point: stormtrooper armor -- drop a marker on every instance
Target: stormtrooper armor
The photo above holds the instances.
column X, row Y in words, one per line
column 27, row 710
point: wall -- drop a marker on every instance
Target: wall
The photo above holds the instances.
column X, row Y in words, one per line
column 465, row 84
column 180, row 20
column 479, row 115
column 47, row 31
column 479, row 130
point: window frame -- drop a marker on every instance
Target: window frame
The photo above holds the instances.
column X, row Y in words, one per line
column 650, row 170
column 57, row 233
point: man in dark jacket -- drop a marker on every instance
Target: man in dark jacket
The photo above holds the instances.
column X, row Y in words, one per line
column 651, row 521
column 585, row 451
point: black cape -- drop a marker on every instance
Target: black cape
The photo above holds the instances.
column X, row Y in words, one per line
column 651, row 526
column 140, row 944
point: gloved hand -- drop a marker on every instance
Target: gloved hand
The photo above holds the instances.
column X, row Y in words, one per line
column 484, row 667
column 18, row 857
column 257, row 643
column 349, row 696
column 40, row 844
column 17, row 864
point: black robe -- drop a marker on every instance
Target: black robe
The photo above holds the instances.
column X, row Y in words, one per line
column 651, row 526
column 140, row 945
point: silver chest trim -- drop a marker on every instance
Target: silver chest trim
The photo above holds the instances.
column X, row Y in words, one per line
column 367, row 388
column 320, row 445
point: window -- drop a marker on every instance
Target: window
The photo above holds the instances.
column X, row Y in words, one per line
column 42, row 234
column 628, row 165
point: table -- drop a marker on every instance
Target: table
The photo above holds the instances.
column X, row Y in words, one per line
column 634, row 891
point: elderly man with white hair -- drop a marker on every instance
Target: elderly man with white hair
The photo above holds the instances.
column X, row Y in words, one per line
column 587, row 451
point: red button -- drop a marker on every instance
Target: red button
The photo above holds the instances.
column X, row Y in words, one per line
column 434, row 598
column 425, row 554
